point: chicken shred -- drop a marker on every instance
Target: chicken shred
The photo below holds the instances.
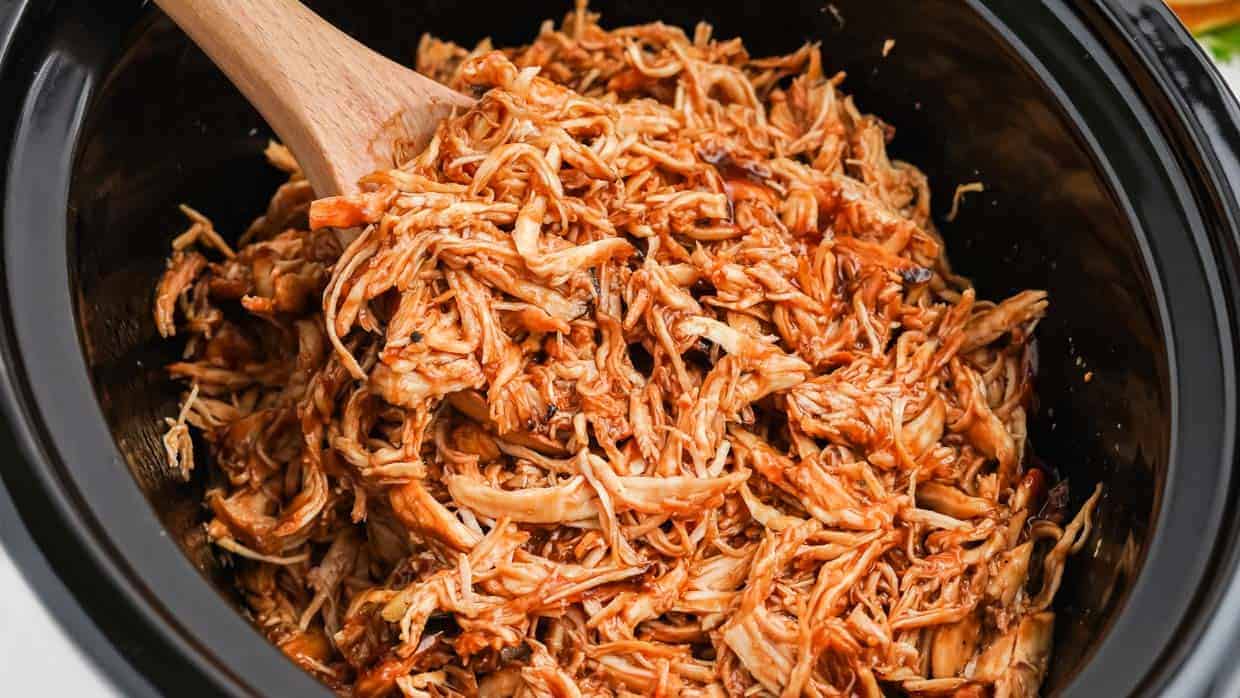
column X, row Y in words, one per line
column 648, row 376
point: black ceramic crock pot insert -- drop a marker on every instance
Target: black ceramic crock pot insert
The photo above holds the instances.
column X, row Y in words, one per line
column 1103, row 140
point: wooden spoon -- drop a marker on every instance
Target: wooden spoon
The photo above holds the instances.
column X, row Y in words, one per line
column 336, row 104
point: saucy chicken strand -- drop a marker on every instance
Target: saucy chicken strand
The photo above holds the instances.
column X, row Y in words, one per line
column 647, row 377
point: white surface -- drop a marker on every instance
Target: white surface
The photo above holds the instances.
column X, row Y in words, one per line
column 36, row 657
column 1231, row 71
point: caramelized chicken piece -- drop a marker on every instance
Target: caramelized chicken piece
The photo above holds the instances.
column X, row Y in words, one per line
column 988, row 325
column 183, row 270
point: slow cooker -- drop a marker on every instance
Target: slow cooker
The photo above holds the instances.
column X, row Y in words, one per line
column 1107, row 145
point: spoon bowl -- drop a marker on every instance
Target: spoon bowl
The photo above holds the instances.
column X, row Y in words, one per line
column 340, row 107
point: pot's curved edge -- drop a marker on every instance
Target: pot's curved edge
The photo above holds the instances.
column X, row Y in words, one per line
column 1179, row 575
column 1206, row 129
column 57, row 598
column 119, row 562
column 1210, row 107
column 60, row 602
column 54, row 549
column 1229, row 163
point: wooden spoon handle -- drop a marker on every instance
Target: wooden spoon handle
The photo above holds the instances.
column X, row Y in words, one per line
column 335, row 103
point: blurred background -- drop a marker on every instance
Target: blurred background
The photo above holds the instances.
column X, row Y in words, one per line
column 1216, row 24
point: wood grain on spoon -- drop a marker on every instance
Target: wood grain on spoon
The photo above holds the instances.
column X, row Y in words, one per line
column 336, row 104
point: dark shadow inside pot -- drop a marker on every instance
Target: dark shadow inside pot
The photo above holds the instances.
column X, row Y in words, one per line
column 166, row 128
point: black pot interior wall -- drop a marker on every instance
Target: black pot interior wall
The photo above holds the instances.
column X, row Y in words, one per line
column 167, row 128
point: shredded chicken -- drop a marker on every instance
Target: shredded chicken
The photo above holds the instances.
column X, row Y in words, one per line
column 970, row 188
column 648, row 376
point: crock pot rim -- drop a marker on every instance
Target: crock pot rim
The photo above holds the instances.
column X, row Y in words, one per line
column 105, row 558
column 119, row 601
column 1198, row 102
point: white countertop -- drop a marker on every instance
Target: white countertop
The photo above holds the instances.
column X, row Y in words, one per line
column 1231, row 71
column 37, row 658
